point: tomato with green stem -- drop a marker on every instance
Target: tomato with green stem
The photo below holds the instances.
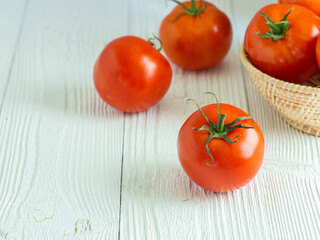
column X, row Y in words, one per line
column 131, row 75
column 220, row 147
column 196, row 35
column 281, row 40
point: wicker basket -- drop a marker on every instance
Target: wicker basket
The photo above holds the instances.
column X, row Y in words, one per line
column 298, row 104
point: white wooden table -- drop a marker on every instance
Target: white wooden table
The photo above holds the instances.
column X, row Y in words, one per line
column 72, row 167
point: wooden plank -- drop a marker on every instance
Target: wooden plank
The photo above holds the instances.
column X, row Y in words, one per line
column 60, row 145
column 158, row 199
column 12, row 14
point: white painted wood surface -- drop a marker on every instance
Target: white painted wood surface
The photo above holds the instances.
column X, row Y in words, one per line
column 72, row 167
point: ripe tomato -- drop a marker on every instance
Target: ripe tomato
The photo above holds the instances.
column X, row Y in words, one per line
column 318, row 51
column 209, row 156
column 285, row 49
column 196, row 35
column 313, row 5
column 131, row 75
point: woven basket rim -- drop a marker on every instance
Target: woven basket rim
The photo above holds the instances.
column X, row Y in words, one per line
column 297, row 87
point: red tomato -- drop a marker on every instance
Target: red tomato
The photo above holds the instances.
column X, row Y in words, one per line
column 131, row 75
column 288, row 54
column 318, row 51
column 224, row 166
column 198, row 39
column 313, row 5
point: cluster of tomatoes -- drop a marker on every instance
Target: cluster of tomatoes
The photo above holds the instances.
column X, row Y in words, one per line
column 132, row 75
column 220, row 147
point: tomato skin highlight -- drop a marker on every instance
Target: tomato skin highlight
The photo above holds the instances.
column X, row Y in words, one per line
column 292, row 58
column 196, row 42
column 131, row 75
column 313, row 5
column 235, row 164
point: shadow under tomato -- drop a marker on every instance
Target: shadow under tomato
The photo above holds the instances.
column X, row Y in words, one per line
column 164, row 183
column 211, row 71
column 71, row 100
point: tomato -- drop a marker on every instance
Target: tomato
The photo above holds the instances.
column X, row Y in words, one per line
column 196, row 35
column 284, row 49
column 215, row 155
column 131, row 75
column 313, row 5
column 318, row 51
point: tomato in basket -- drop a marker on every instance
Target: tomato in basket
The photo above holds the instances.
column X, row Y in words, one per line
column 313, row 5
column 281, row 41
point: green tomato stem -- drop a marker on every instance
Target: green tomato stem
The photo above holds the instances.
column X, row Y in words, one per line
column 219, row 130
column 152, row 40
column 277, row 30
column 192, row 10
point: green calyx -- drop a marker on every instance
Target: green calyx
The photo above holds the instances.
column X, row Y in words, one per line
column 277, row 30
column 192, row 10
column 152, row 41
column 220, row 129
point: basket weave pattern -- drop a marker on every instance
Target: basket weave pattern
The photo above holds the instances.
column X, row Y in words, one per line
column 298, row 104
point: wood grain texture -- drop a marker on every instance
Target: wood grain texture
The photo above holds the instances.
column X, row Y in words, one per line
column 72, row 167
column 12, row 15
column 61, row 146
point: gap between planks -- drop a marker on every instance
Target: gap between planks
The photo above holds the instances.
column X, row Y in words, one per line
column 124, row 132
column 121, row 175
